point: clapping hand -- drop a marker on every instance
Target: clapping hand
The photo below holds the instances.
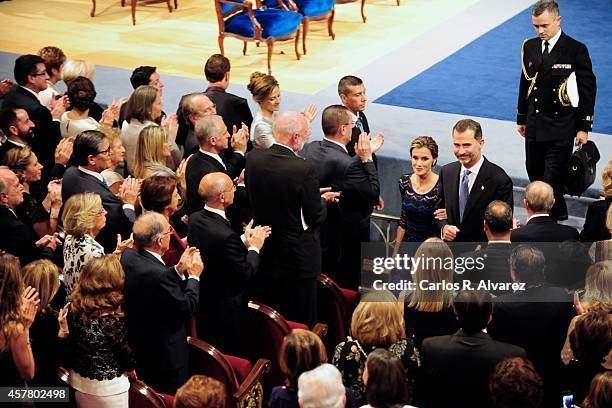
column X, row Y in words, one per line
column 5, row 87
column 111, row 113
column 123, row 245
column 255, row 236
column 63, row 322
column 190, row 262
column 58, row 106
column 50, row 241
column 363, row 147
column 171, row 122
column 63, row 151
column 310, row 112
column 378, row 142
column 29, row 306
column 129, row 190
column 181, row 173
column 240, row 138
column 330, row 197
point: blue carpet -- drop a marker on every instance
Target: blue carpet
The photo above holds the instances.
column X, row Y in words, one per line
column 481, row 79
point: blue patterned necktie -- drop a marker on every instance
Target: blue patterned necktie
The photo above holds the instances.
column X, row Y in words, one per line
column 464, row 192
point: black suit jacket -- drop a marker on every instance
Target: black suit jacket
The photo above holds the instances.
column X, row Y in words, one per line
column 230, row 269
column 492, row 183
column 47, row 131
column 281, row 187
column 200, row 165
column 594, row 228
column 542, row 110
column 18, row 239
column 118, row 219
column 544, row 229
column 462, row 363
column 496, row 269
column 233, row 109
column 537, row 320
column 156, row 308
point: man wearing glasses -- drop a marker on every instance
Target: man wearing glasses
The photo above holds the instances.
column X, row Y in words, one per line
column 31, row 76
column 92, row 156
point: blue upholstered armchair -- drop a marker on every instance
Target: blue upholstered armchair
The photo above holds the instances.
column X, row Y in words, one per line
column 312, row 10
column 239, row 19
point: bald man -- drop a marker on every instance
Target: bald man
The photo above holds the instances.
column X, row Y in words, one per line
column 284, row 193
column 231, row 264
column 541, row 227
column 159, row 298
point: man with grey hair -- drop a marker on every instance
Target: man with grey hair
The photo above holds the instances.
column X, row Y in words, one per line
column 551, row 117
column 284, row 193
column 541, row 227
column 321, row 388
column 535, row 317
column 17, row 238
column 194, row 107
column 213, row 138
column 158, row 301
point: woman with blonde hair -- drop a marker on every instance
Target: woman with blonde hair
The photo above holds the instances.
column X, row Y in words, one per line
column 376, row 323
column 99, row 356
column 42, row 217
column 595, row 228
column 43, row 275
column 144, row 108
column 152, row 153
column 73, row 69
column 429, row 312
column 83, row 218
column 597, row 298
column 266, row 92
column 17, row 314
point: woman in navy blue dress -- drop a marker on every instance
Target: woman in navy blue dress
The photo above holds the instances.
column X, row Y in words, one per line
column 420, row 191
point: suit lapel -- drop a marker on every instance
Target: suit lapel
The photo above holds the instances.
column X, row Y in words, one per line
column 330, row 145
column 479, row 188
column 213, row 161
column 216, row 217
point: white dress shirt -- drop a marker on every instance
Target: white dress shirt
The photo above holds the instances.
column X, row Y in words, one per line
column 551, row 42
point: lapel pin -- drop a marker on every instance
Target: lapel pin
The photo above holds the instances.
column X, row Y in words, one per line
column 482, row 188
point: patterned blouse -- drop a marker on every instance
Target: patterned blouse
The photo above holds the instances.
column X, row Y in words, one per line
column 417, row 211
column 350, row 358
column 97, row 346
column 77, row 252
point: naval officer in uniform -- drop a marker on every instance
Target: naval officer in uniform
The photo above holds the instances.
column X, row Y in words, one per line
column 552, row 114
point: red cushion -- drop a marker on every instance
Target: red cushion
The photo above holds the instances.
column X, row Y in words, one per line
column 351, row 298
column 296, row 325
column 241, row 367
column 168, row 399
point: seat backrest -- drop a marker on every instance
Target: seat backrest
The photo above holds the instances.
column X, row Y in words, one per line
column 142, row 396
column 268, row 328
column 206, row 360
column 332, row 311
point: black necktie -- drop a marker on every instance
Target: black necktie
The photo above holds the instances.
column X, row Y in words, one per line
column 546, row 50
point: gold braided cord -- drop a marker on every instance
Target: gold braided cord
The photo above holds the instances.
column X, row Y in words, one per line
column 527, row 77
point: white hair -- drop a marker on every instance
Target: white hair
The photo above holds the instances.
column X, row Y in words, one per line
column 321, row 388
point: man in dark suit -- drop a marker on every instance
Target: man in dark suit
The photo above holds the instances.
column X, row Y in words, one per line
column 535, row 318
column 17, row 238
column 541, row 227
column 353, row 95
column 462, row 362
column 231, row 265
column 233, row 109
column 31, row 76
column 284, row 193
column 348, row 224
column 548, row 118
column 469, row 185
column 495, row 254
column 194, row 107
column 92, row 156
column 158, row 301
column 213, row 138
column 19, row 132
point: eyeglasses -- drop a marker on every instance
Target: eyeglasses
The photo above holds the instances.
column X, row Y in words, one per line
column 106, row 152
column 39, row 73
